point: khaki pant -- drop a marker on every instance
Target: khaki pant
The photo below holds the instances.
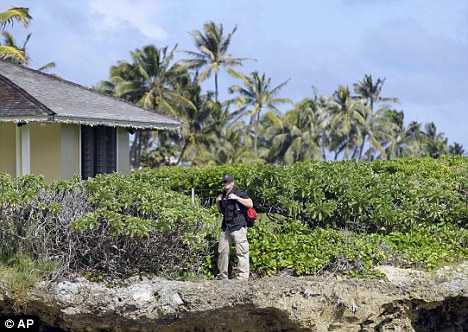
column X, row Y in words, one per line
column 239, row 238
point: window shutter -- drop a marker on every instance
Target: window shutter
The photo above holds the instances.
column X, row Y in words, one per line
column 98, row 150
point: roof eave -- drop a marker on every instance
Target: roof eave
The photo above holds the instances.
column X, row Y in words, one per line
column 27, row 119
column 95, row 122
column 117, row 123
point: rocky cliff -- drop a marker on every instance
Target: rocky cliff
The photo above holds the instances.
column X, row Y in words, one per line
column 407, row 301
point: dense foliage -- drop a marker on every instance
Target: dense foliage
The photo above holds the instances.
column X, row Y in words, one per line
column 381, row 196
column 342, row 218
column 112, row 225
column 295, row 249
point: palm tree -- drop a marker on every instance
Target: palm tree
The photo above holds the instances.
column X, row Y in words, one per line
column 150, row 81
column 8, row 17
column 456, row 149
column 9, row 41
column 424, row 143
column 379, row 129
column 415, row 138
column 297, row 135
column 213, row 52
column 232, row 147
column 435, row 144
column 257, row 92
column 198, row 120
column 370, row 93
column 217, row 135
column 398, row 145
column 345, row 112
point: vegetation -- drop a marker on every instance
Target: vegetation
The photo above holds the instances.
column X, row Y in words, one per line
column 8, row 17
column 295, row 249
column 112, row 225
column 342, row 218
column 250, row 128
column 375, row 197
column 10, row 50
column 213, row 52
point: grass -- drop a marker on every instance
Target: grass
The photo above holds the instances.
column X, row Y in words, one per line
column 19, row 272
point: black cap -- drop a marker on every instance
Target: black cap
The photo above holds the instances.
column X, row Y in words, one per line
column 228, row 178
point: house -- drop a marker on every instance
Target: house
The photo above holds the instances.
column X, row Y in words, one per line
column 57, row 128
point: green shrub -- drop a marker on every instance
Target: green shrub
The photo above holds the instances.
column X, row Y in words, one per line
column 113, row 225
column 138, row 227
column 295, row 249
column 377, row 197
column 317, row 217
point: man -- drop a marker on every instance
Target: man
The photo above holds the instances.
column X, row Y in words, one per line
column 234, row 229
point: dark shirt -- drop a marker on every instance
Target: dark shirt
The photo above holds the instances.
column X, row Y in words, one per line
column 233, row 212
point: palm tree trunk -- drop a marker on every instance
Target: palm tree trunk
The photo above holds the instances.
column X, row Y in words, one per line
column 362, row 146
column 182, row 152
column 324, row 156
column 336, row 155
column 216, row 87
column 256, row 131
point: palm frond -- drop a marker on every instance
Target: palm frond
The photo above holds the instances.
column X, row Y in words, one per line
column 11, row 15
column 9, row 52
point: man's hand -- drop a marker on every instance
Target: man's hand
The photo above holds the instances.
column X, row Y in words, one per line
column 234, row 197
column 219, row 197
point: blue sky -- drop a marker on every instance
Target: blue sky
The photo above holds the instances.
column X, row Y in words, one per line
column 419, row 46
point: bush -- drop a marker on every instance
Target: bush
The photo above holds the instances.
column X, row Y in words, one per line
column 321, row 217
column 113, row 225
column 377, row 197
column 294, row 249
column 136, row 227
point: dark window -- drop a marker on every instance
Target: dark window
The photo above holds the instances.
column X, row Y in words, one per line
column 98, row 150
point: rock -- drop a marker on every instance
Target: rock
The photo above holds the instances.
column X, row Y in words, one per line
column 409, row 301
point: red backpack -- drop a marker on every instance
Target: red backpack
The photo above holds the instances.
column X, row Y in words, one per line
column 251, row 216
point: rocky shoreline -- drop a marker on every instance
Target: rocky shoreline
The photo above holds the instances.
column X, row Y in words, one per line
column 408, row 301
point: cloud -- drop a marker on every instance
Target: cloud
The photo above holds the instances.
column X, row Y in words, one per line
column 117, row 15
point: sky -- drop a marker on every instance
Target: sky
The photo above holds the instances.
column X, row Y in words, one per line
column 420, row 47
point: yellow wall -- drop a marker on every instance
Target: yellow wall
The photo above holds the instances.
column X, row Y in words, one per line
column 45, row 150
column 8, row 148
column 50, row 150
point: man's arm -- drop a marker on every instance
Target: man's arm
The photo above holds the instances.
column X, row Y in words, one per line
column 218, row 202
column 247, row 202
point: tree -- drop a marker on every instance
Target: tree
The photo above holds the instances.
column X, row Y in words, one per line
column 151, row 82
column 213, row 52
column 232, row 147
column 378, row 129
column 197, row 120
column 8, row 17
column 345, row 112
column 257, row 92
column 369, row 93
column 398, row 145
column 435, row 144
column 296, row 136
column 415, row 139
column 456, row 149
